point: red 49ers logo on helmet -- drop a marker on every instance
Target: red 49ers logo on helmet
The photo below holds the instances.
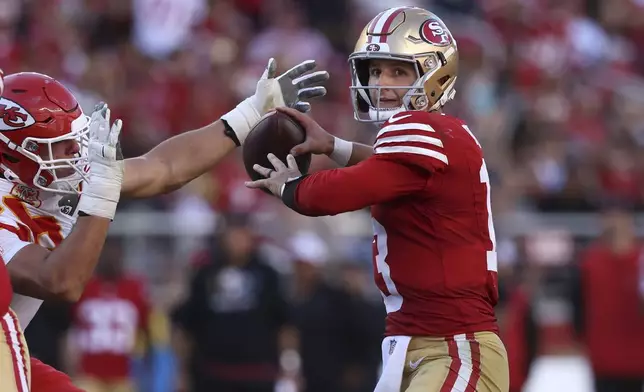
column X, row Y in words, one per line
column 435, row 32
column 13, row 116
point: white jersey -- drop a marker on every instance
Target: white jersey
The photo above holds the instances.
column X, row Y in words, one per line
column 29, row 216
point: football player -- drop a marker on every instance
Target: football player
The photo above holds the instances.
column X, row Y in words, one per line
column 63, row 175
column 12, row 376
column 426, row 182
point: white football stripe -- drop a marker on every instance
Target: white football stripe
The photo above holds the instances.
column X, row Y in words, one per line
column 406, row 127
column 413, row 150
column 410, row 138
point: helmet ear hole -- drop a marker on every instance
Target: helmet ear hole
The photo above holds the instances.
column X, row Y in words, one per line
column 10, row 158
column 362, row 74
column 362, row 71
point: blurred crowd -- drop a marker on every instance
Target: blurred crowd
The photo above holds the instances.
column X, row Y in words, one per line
column 552, row 89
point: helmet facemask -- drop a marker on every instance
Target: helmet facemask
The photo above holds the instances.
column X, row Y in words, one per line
column 47, row 176
column 366, row 99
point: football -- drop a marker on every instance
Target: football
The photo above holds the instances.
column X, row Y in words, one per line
column 275, row 133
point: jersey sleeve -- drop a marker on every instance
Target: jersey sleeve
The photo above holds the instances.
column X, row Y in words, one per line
column 372, row 181
column 410, row 138
column 45, row 378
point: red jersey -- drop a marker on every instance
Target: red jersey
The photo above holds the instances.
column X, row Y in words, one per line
column 107, row 320
column 613, row 320
column 434, row 244
column 6, row 292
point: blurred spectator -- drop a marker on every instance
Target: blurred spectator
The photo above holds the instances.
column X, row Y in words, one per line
column 107, row 325
column 335, row 328
column 519, row 329
column 229, row 326
column 366, row 327
column 288, row 37
column 609, row 304
column 162, row 27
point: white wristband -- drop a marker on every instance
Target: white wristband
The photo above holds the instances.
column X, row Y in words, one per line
column 242, row 118
column 342, row 150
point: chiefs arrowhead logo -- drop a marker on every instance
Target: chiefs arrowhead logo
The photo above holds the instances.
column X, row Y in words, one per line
column 13, row 116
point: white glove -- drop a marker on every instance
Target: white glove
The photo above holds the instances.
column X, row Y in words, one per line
column 102, row 190
column 286, row 90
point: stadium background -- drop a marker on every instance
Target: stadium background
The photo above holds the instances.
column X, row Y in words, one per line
column 552, row 89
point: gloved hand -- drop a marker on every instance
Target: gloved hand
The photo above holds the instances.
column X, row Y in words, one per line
column 288, row 89
column 102, row 190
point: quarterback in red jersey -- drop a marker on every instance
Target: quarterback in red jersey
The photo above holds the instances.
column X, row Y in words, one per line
column 427, row 184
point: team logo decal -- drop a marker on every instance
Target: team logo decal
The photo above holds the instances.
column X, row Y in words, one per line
column 68, row 204
column 435, row 32
column 392, row 346
column 373, row 48
column 26, row 194
column 13, row 116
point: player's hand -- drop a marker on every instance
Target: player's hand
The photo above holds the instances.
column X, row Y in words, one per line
column 102, row 190
column 318, row 141
column 292, row 89
column 276, row 177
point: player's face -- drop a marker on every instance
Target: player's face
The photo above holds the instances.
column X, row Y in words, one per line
column 65, row 149
column 390, row 73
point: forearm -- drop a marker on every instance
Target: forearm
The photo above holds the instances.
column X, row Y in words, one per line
column 332, row 192
column 359, row 153
column 176, row 161
column 321, row 194
column 63, row 272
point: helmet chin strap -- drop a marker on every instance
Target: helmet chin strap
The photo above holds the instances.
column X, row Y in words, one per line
column 9, row 175
column 381, row 115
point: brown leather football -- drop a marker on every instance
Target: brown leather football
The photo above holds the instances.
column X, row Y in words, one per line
column 275, row 133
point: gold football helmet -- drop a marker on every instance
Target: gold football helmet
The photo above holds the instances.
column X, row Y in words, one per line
column 412, row 35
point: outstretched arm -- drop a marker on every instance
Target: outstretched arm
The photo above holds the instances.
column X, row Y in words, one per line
column 182, row 158
column 368, row 183
column 329, row 192
column 176, row 161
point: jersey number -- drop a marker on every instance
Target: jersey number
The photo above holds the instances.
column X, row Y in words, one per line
column 111, row 326
column 393, row 300
column 485, row 179
column 491, row 254
column 31, row 228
